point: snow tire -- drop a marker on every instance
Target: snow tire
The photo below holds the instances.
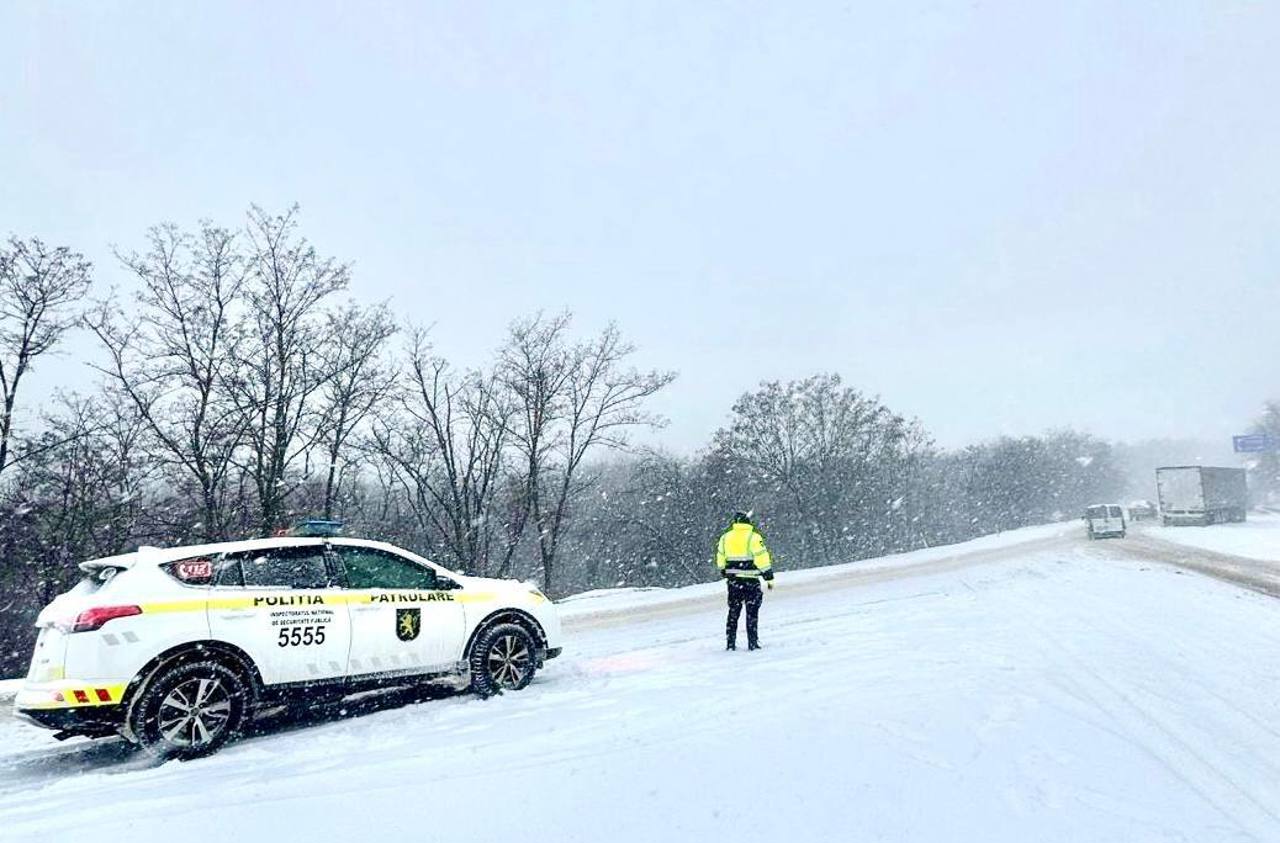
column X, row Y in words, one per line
column 504, row 659
column 190, row 710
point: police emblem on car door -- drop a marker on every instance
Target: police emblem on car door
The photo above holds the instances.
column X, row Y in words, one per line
column 408, row 623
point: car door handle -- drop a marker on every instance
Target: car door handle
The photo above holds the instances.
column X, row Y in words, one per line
column 370, row 608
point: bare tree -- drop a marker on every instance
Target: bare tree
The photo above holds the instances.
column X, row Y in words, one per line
column 171, row 357
column 838, row 458
column 650, row 519
column 40, row 291
column 788, row 433
column 80, row 493
column 280, row 364
column 604, row 402
column 534, row 367
column 447, row 444
column 571, row 400
column 354, row 343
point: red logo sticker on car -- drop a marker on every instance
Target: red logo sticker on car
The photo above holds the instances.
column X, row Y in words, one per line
column 194, row 569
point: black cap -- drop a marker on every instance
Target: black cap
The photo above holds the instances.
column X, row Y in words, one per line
column 742, row 517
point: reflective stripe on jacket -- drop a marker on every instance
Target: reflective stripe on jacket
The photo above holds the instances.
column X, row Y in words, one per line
column 741, row 554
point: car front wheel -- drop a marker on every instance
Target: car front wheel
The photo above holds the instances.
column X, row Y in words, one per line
column 504, row 659
column 190, row 710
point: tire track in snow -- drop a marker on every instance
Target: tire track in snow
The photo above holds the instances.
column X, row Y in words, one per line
column 1178, row 752
column 1253, row 574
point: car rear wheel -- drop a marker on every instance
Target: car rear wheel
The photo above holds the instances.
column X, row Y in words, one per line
column 190, row 710
column 504, row 659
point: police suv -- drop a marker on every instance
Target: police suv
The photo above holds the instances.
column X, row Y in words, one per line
column 176, row 649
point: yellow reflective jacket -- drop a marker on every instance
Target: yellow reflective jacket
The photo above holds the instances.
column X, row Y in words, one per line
column 741, row 554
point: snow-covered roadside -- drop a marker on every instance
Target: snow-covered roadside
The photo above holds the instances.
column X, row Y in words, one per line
column 621, row 603
column 21, row 737
column 602, row 601
column 1257, row 538
column 1066, row 695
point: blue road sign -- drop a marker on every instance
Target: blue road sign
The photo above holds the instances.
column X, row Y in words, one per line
column 1253, row 443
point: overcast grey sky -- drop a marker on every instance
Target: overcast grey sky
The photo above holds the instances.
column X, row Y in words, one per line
column 999, row 217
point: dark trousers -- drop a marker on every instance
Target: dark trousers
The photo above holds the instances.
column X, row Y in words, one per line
column 744, row 592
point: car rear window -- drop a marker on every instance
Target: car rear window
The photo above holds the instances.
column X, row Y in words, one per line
column 93, row 581
column 1096, row 512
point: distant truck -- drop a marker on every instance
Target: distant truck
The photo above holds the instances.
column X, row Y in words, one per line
column 1201, row 494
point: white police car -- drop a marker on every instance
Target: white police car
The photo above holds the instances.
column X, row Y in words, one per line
column 176, row 649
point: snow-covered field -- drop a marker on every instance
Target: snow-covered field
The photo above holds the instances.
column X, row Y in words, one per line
column 1256, row 538
column 1044, row 688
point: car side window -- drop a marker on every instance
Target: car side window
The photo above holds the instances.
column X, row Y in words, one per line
column 370, row 568
column 196, row 570
column 284, row 567
column 226, row 573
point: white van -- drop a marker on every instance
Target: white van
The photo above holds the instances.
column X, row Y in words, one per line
column 1105, row 519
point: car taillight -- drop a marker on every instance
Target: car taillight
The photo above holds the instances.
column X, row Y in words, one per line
column 91, row 619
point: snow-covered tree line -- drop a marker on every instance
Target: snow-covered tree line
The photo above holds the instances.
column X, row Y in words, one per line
column 833, row 476
column 240, row 392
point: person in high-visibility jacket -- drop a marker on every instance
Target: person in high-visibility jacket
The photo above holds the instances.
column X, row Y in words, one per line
column 743, row 560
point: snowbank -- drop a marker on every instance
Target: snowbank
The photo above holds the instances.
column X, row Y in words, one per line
column 604, row 601
column 1257, row 538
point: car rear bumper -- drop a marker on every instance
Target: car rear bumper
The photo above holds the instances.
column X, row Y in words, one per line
column 74, row 706
column 98, row 720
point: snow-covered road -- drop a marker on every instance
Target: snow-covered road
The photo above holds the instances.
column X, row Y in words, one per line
column 1036, row 687
column 1258, row 538
column 1247, row 554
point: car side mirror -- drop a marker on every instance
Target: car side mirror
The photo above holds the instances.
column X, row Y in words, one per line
column 446, row 584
